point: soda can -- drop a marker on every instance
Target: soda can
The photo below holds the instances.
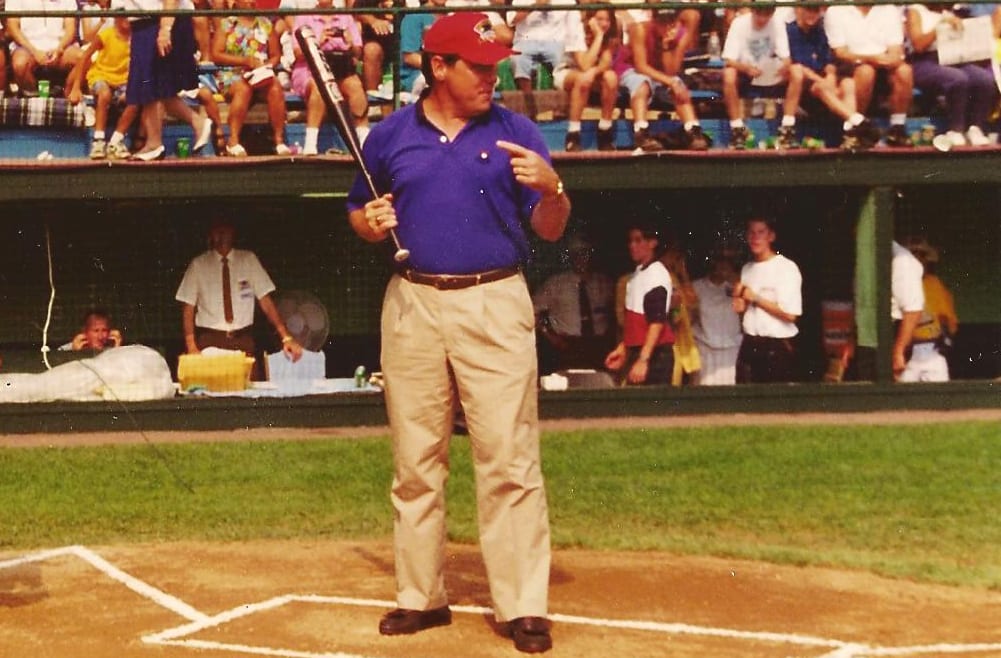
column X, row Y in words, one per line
column 43, row 88
column 183, row 147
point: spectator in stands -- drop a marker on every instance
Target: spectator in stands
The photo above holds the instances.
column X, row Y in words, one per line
column 96, row 334
column 378, row 44
column 769, row 296
column 248, row 47
column 809, row 49
column 218, row 294
column 41, row 44
column 574, row 313
column 645, row 355
column 649, row 65
column 757, row 65
column 412, row 29
column 868, row 42
column 937, row 327
column 541, row 37
column 588, row 69
column 339, row 38
column 104, row 70
column 503, row 34
column 716, row 325
column 969, row 89
column 161, row 64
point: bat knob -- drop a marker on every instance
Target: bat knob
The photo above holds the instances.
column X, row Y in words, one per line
column 401, row 255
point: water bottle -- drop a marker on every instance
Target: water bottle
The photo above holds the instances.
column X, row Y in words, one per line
column 714, row 48
column 360, row 379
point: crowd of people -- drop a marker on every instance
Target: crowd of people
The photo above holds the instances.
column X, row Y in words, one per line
column 848, row 62
column 738, row 323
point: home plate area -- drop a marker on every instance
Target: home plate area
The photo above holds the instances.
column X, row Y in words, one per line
column 323, row 599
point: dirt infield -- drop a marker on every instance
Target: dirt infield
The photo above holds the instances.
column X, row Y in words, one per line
column 322, row 599
column 317, row 599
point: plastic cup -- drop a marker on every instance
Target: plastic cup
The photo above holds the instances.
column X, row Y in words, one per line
column 183, row 148
column 43, row 88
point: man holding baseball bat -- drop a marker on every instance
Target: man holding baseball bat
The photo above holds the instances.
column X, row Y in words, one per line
column 459, row 178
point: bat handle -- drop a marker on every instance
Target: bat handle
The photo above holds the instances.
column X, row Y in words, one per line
column 401, row 253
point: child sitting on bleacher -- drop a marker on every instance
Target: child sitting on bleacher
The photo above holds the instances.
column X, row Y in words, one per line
column 646, row 74
column 808, row 47
column 105, row 69
column 757, row 65
column 540, row 37
column 591, row 71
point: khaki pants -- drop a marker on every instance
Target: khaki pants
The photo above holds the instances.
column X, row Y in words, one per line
column 478, row 342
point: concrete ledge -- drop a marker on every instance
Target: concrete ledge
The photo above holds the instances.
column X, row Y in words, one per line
column 363, row 410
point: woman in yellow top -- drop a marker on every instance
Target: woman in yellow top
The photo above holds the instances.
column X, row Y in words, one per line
column 105, row 68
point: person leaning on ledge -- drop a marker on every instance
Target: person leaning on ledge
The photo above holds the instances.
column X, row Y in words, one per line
column 217, row 295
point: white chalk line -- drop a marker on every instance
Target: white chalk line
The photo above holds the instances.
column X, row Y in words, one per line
column 199, row 621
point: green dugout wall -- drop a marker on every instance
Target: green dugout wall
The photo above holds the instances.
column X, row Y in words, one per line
column 121, row 236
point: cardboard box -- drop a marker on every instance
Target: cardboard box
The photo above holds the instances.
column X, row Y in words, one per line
column 221, row 373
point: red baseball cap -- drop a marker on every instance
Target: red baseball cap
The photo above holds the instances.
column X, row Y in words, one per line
column 467, row 35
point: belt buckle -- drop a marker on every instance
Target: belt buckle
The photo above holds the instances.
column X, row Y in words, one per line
column 443, row 282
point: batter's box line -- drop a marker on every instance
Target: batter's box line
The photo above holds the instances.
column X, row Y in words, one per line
column 199, row 621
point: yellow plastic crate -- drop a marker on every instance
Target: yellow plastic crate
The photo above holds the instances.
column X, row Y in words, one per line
column 220, row 373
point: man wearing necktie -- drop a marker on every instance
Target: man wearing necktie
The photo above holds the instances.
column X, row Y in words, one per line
column 218, row 294
column 574, row 311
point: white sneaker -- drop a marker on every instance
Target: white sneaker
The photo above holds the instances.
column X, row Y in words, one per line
column 976, row 136
column 956, row 138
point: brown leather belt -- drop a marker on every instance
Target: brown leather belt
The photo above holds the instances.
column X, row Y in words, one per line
column 458, row 281
column 236, row 333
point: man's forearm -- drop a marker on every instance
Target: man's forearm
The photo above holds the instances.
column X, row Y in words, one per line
column 549, row 218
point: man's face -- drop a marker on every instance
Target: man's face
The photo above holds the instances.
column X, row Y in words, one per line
column 760, row 16
column 96, row 332
column 641, row 248
column 808, row 17
column 759, row 238
column 470, row 86
column 221, row 238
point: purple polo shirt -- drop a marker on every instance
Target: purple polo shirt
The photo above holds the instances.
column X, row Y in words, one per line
column 459, row 207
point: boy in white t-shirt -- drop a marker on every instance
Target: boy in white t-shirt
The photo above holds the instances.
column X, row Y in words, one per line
column 757, row 65
column 769, row 296
column 868, row 43
column 540, row 37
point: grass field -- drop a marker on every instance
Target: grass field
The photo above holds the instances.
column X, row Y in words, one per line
column 916, row 501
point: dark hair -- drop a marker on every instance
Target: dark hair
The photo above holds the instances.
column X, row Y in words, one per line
column 767, row 220
column 647, row 229
column 612, row 35
column 96, row 313
column 426, row 65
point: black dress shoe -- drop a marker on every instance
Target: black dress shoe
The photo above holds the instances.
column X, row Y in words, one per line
column 530, row 634
column 406, row 622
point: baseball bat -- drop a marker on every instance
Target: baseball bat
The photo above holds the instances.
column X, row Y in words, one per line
column 326, row 83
